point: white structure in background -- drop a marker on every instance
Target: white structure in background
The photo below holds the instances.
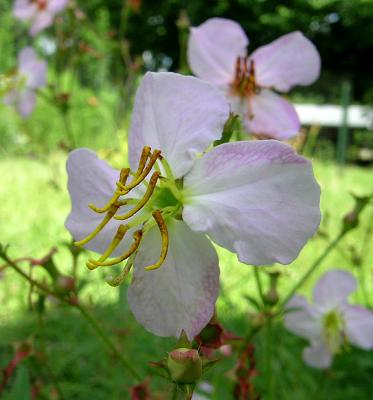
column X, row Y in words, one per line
column 332, row 115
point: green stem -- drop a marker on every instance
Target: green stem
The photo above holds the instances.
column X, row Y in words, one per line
column 312, row 269
column 82, row 310
column 109, row 343
column 68, row 128
column 259, row 285
column 268, row 358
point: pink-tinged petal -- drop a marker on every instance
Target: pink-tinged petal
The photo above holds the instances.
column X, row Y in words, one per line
column 24, row 10
column 26, row 57
column 213, row 49
column 302, row 319
column 180, row 115
column 359, row 326
column 26, row 103
column 37, row 76
column 317, row 355
column 30, row 67
column 42, row 20
column 181, row 294
column 333, row 289
column 56, row 6
column 290, row 60
column 91, row 180
column 256, row 198
column 270, row 115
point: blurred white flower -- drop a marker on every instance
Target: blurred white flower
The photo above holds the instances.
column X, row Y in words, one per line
column 330, row 323
column 39, row 13
column 30, row 75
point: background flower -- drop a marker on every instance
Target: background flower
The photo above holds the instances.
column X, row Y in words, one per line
column 217, row 53
column 30, row 76
column 40, row 13
column 330, row 322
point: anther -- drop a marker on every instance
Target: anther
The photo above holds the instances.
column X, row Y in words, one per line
column 143, row 159
column 144, row 200
column 123, row 176
column 121, row 231
column 137, row 236
column 112, row 210
column 138, row 179
column 164, row 234
column 119, row 279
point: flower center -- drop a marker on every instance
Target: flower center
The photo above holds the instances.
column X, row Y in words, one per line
column 41, row 4
column 12, row 81
column 161, row 199
column 244, row 84
column 334, row 331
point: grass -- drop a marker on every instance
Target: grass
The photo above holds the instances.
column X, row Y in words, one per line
column 34, row 205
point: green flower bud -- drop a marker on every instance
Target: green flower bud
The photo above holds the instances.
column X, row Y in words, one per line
column 184, row 365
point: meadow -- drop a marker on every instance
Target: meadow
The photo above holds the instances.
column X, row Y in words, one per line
column 65, row 333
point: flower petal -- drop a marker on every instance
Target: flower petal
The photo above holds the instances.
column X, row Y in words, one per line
column 304, row 320
column 55, row 6
column 34, row 69
column 180, row 115
column 91, row 180
column 271, row 116
column 290, row 60
column 181, row 294
column 213, row 49
column 317, row 355
column 42, row 20
column 359, row 326
column 26, row 103
column 24, row 9
column 333, row 289
column 257, row 198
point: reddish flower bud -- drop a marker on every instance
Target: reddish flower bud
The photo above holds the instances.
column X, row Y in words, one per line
column 184, row 365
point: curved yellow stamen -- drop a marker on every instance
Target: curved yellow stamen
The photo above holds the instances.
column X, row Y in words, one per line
column 164, row 234
column 112, row 210
column 124, row 174
column 119, row 279
column 137, row 236
column 144, row 200
column 143, row 159
column 121, row 231
column 137, row 180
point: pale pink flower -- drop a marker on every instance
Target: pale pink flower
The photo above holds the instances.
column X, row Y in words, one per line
column 217, row 53
column 30, row 76
column 256, row 198
column 331, row 322
column 39, row 13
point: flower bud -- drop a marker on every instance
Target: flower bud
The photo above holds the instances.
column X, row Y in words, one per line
column 184, row 365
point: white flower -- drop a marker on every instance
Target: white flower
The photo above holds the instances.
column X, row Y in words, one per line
column 257, row 199
column 30, row 76
column 330, row 322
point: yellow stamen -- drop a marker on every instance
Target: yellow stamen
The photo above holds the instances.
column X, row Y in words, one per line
column 143, row 201
column 121, row 231
column 137, row 236
column 113, row 209
column 124, row 174
column 143, row 159
column 137, row 180
column 119, row 279
column 164, row 234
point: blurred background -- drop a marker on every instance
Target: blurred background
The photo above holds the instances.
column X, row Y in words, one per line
column 97, row 52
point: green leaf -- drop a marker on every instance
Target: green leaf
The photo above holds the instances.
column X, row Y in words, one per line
column 21, row 389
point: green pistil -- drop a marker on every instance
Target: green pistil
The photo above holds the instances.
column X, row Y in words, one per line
column 334, row 331
column 168, row 198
